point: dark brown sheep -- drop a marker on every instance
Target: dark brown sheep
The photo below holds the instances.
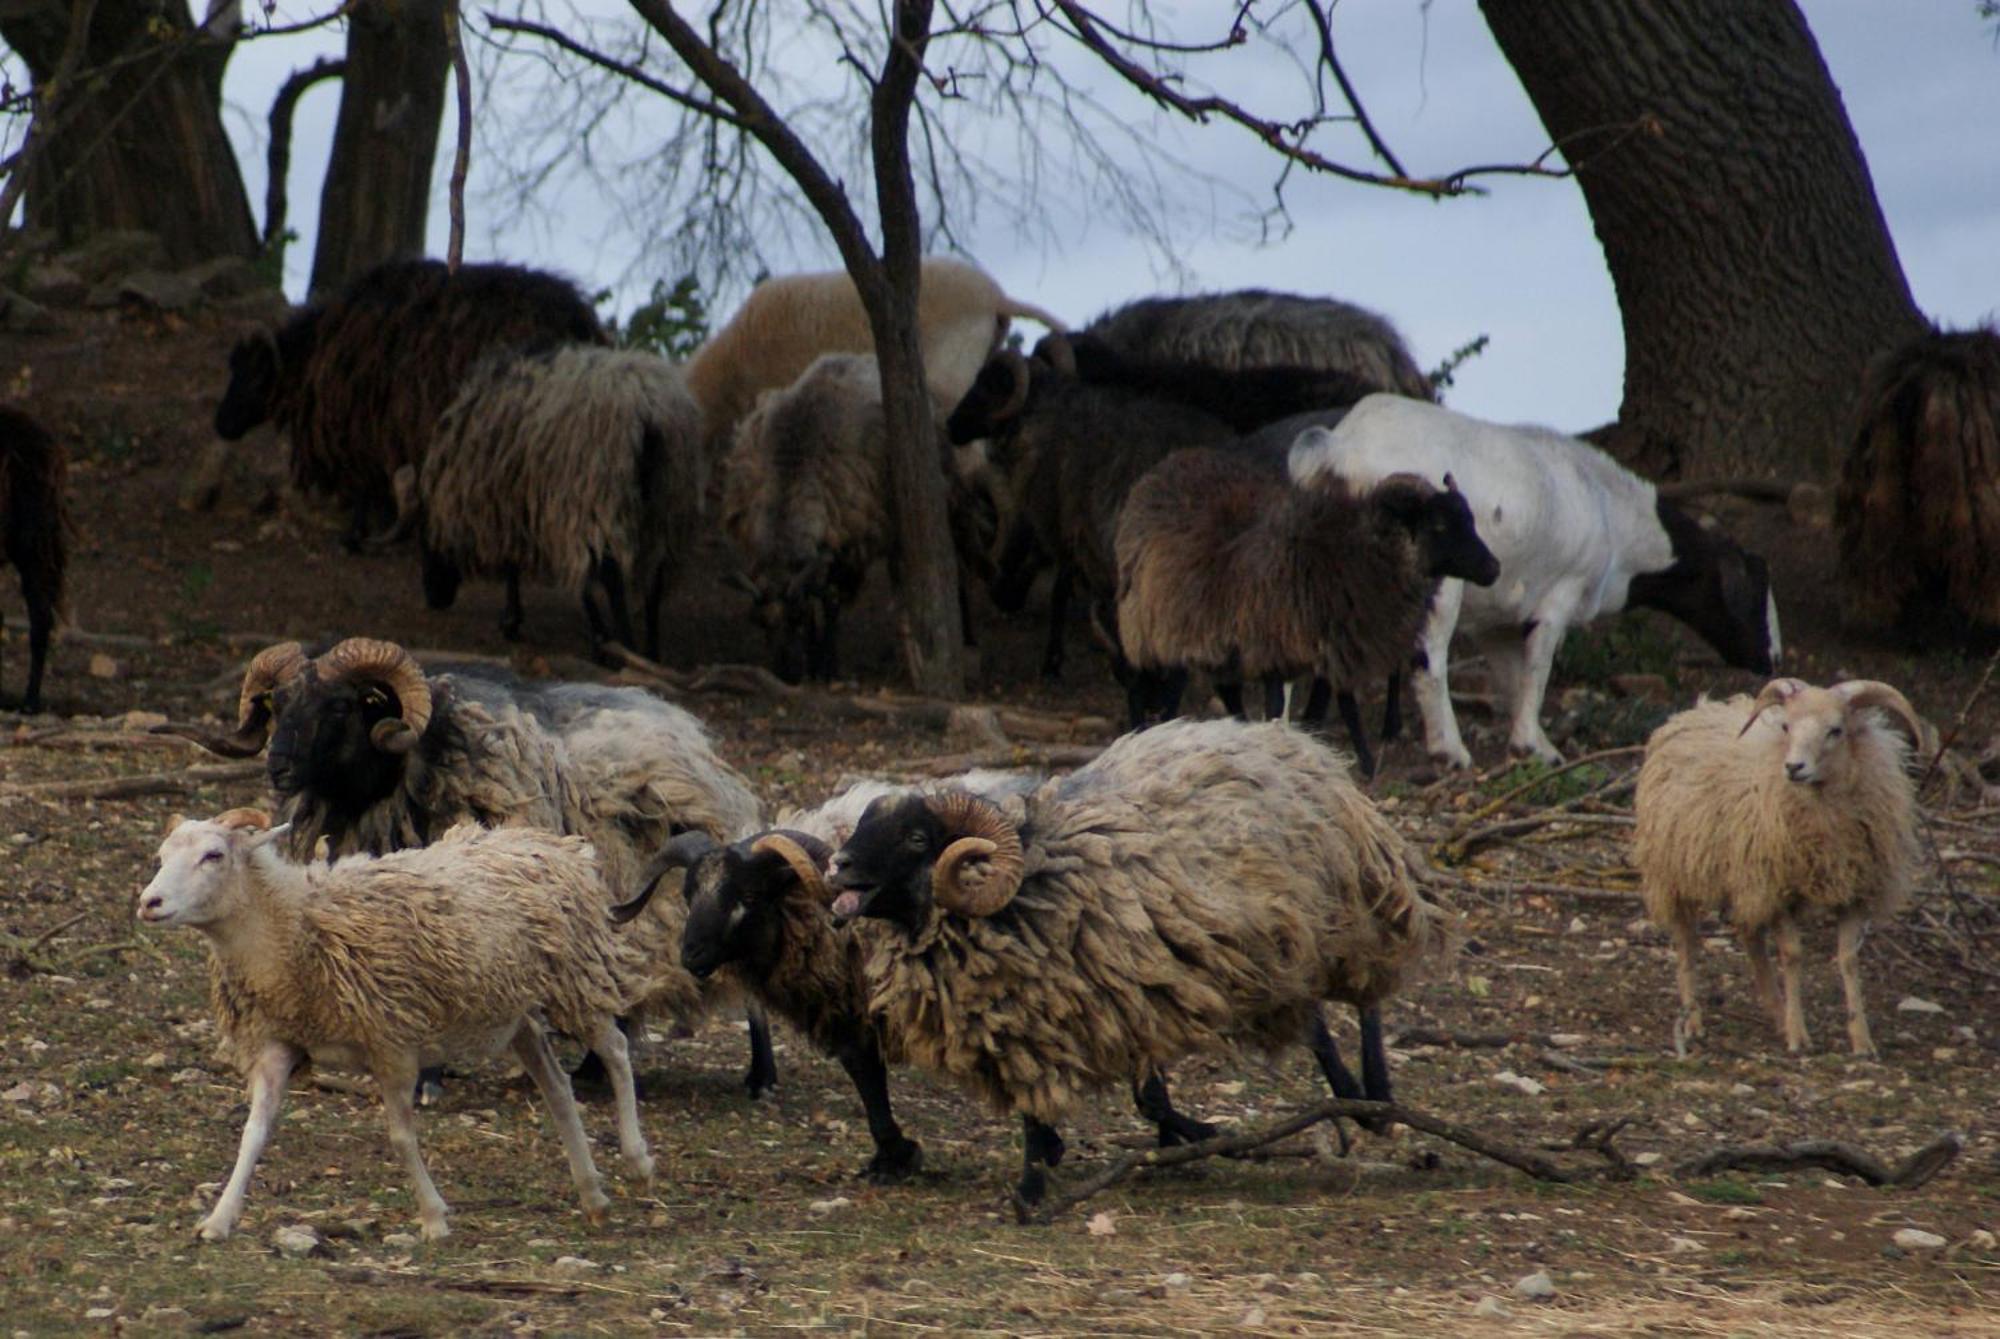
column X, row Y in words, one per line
column 34, row 527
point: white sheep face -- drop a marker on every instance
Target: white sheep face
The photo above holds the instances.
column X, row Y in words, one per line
column 197, row 875
column 1820, row 727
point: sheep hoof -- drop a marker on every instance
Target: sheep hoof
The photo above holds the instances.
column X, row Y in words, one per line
column 435, row 1229
column 641, row 1168
column 894, row 1164
column 760, row 1083
column 210, row 1229
column 1181, row 1130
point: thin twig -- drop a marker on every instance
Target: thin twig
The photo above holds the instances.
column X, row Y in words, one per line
column 461, row 158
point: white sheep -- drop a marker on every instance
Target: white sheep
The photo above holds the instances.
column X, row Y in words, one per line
column 1577, row 536
column 1764, row 815
column 457, row 949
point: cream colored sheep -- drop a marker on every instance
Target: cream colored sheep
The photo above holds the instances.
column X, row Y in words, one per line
column 457, row 949
column 1766, row 811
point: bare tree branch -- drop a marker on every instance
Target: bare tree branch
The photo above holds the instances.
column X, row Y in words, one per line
column 622, row 69
column 461, row 78
column 278, row 158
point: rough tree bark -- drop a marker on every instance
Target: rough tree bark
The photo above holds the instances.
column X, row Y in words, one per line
column 378, row 181
column 138, row 142
column 1755, row 273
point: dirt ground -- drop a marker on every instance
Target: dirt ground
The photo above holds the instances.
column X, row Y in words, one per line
column 116, row 1121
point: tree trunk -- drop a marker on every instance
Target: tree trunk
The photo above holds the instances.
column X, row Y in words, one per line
column 1755, row 274
column 377, row 195
column 136, row 139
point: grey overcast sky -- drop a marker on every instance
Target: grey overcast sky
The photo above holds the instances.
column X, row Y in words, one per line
column 1921, row 81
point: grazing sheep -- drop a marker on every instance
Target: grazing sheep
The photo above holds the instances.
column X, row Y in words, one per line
column 1258, row 328
column 790, row 320
column 458, row 949
column 1197, row 884
column 805, row 498
column 1225, row 568
column 357, row 381
column 375, row 756
column 35, row 533
column 1918, row 507
column 1577, row 536
column 1765, row 816
column 580, row 466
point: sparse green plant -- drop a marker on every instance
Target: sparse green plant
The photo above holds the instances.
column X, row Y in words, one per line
column 1445, row 372
column 1727, row 1190
column 1567, row 786
column 672, row 322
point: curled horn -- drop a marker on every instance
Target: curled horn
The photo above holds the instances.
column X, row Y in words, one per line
column 805, row 854
column 985, row 836
column 1770, row 695
column 1055, row 349
column 1017, row 366
column 679, row 853
column 397, row 669
column 253, row 820
column 270, row 668
column 1863, row 693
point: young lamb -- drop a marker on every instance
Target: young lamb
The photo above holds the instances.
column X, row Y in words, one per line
column 1577, row 536
column 1227, row 568
column 1198, row 884
column 454, row 950
column 1765, row 811
column 35, row 533
column 581, row 466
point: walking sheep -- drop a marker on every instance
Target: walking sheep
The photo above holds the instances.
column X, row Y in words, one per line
column 1577, row 536
column 357, row 381
column 1766, row 811
column 580, row 466
column 1197, row 884
column 35, row 533
column 1918, row 507
column 456, row 950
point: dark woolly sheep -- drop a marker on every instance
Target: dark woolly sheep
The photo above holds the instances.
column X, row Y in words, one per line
column 1918, row 507
column 1228, row 568
column 35, row 532
column 1257, row 328
column 1246, row 398
column 357, row 381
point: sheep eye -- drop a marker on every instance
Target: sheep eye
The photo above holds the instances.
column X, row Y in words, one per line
column 210, row 857
column 1834, row 733
column 916, row 841
column 1786, row 726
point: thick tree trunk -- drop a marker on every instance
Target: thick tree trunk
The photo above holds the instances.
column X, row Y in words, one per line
column 1755, row 274
column 377, row 195
column 136, row 139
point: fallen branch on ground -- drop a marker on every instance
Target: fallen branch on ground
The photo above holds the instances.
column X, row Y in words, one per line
column 1830, row 1155
column 1539, row 888
column 1025, row 755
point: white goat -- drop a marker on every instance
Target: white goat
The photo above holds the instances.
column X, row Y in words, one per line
column 1764, row 815
column 1577, row 536
column 455, row 949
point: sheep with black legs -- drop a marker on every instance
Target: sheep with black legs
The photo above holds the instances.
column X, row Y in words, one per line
column 1577, row 535
column 35, row 533
column 1766, row 811
column 1228, row 569
column 358, row 380
column 580, row 466
column 1198, row 884
column 1918, row 506
column 372, row 754
column 460, row 949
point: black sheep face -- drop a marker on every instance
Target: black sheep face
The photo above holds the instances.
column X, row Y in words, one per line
column 322, row 745
column 1450, row 538
column 734, row 898
column 253, row 380
column 1716, row 588
column 884, row 870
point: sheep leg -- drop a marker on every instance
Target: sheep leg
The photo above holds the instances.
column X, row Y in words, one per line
column 531, row 1048
column 395, row 1077
column 41, row 618
column 1790, row 966
column 1529, row 661
column 1338, row 1077
column 1041, row 1149
column 763, row 1074
column 1392, row 707
column 1231, row 693
column 656, row 591
column 613, row 578
column 1357, row 734
column 1757, row 948
column 1374, row 1057
column 608, row 1042
column 1847, row 957
column 1151, row 1100
column 269, row 1073
column 1059, row 597
column 1274, row 697
column 1686, row 944
column 1441, row 738
column 897, row 1157
column 511, row 618
column 430, row 1085
column 1313, row 717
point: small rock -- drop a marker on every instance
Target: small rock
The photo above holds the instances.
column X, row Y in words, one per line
column 1740, row 1214
column 55, row 283
column 1578, row 925
column 1648, row 1159
column 296, row 1240
column 1567, row 1041
column 1177, row 1282
column 1101, row 1225
column 1980, row 1240
column 104, row 667
column 156, row 289
column 1253, row 1319
column 1536, row 1287
column 1916, row 1239
column 23, row 1091
column 22, row 317
column 100, row 1313
column 1491, row 1308
column 1741, row 1090
column 188, row 1075
column 1520, row 1083
column 400, row 1241
column 225, row 277
column 1682, row 1245
column 574, row 1264
column 823, row 1208
column 1910, row 1004
column 118, row 251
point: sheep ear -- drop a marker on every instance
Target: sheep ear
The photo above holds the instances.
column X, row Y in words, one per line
column 392, row 734
column 175, row 822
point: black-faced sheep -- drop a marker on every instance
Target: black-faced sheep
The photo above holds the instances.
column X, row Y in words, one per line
column 1766, row 811
column 357, row 382
column 456, row 950
column 1227, row 568
column 1197, row 884
column 790, row 320
column 1918, row 507
column 35, row 533
column 580, row 466
column 1577, row 535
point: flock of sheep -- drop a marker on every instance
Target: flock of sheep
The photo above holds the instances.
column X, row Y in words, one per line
column 1250, row 487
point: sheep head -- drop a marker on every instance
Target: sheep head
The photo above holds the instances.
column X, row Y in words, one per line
column 346, row 729
column 197, row 882
column 272, row 669
column 1715, row 587
column 254, row 370
column 953, row 850
column 998, row 394
column 736, row 894
column 1820, row 725
column 1441, row 523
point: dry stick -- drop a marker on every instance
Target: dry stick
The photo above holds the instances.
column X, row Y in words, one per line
column 1833, row 1156
column 1488, row 810
column 462, row 156
column 1538, row 887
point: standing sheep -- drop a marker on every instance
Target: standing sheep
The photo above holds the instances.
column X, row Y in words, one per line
column 357, row 381
column 580, row 466
column 1197, row 884
column 458, row 949
column 1763, row 816
column 35, row 533
column 1918, row 507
